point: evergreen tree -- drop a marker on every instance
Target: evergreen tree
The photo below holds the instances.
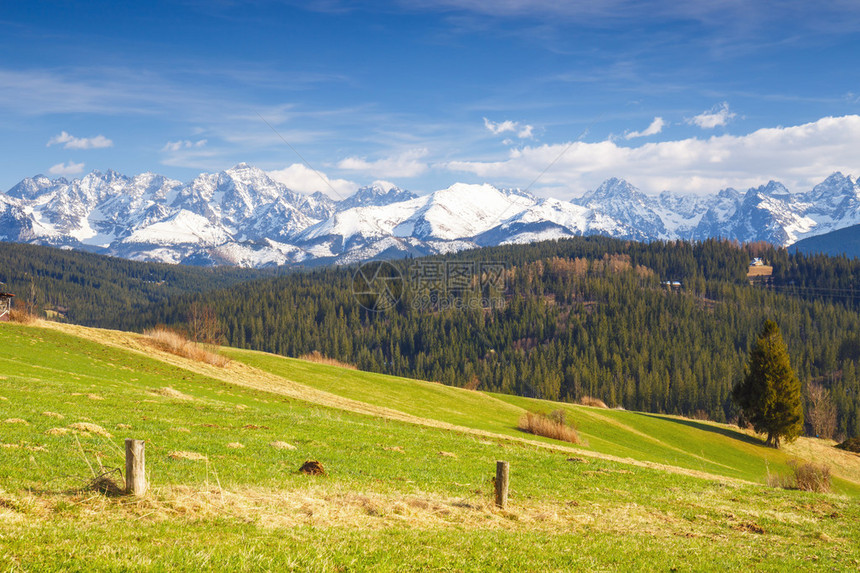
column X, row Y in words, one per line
column 770, row 393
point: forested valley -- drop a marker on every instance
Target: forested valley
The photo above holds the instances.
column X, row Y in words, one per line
column 657, row 327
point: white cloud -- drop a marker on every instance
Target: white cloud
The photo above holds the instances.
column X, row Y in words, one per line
column 407, row 164
column 183, row 144
column 522, row 131
column 717, row 116
column 69, row 168
column 69, row 141
column 653, row 129
column 299, row 177
column 799, row 156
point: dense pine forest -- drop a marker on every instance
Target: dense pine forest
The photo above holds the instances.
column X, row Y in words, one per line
column 658, row 327
column 96, row 290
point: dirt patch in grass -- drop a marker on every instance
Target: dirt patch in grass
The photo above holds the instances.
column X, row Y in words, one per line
column 235, row 446
column 17, row 421
column 105, row 484
column 312, row 468
column 749, row 527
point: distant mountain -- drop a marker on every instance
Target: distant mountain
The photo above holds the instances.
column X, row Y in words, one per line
column 835, row 243
column 378, row 194
column 243, row 217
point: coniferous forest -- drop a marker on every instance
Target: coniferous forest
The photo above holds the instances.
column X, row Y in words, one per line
column 657, row 327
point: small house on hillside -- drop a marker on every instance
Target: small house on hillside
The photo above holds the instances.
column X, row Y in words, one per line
column 5, row 305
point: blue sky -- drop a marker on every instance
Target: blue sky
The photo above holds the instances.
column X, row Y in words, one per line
column 556, row 96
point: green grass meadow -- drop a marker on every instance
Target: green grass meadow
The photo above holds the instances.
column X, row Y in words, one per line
column 397, row 496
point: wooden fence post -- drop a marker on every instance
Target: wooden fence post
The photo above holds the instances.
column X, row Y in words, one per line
column 503, row 470
column 135, row 467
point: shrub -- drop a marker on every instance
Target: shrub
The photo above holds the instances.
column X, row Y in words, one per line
column 22, row 316
column 805, row 476
column 850, row 445
column 549, row 426
column 319, row 358
column 595, row 402
column 175, row 343
column 473, row 384
column 811, row 477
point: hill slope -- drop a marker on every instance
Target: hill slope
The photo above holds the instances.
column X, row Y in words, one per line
column 835, row 243
column 408, row 465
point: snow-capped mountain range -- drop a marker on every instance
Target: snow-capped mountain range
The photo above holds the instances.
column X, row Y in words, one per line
column 241, row 216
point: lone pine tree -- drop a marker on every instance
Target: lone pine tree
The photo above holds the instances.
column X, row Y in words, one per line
column 770, row 394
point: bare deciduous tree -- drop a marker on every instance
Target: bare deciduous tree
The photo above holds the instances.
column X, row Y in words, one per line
column 203, row 324
column 821, row 412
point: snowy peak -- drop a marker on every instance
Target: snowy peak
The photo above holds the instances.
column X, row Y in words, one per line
column 378, row 194
column 241, row 216
column 612, row 189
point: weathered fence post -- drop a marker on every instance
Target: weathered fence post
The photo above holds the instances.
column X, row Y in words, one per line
column 503, row 470
column 135, row 467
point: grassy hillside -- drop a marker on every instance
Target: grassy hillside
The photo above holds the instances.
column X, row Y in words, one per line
column 708, row 447
column 409, row 473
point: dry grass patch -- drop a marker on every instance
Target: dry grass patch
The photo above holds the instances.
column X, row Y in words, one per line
column 90, row 428
column 552, row 426
column 169, row 392
column 760, row 271
column 319, row 358
column 282, row 446
column 94, row 397
column 53, row 415
column 58, row 431
column 175, row 343
column 17, row 421
column 593, row 402
column 22, row 316
column 182, row 455
column 235, row 446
